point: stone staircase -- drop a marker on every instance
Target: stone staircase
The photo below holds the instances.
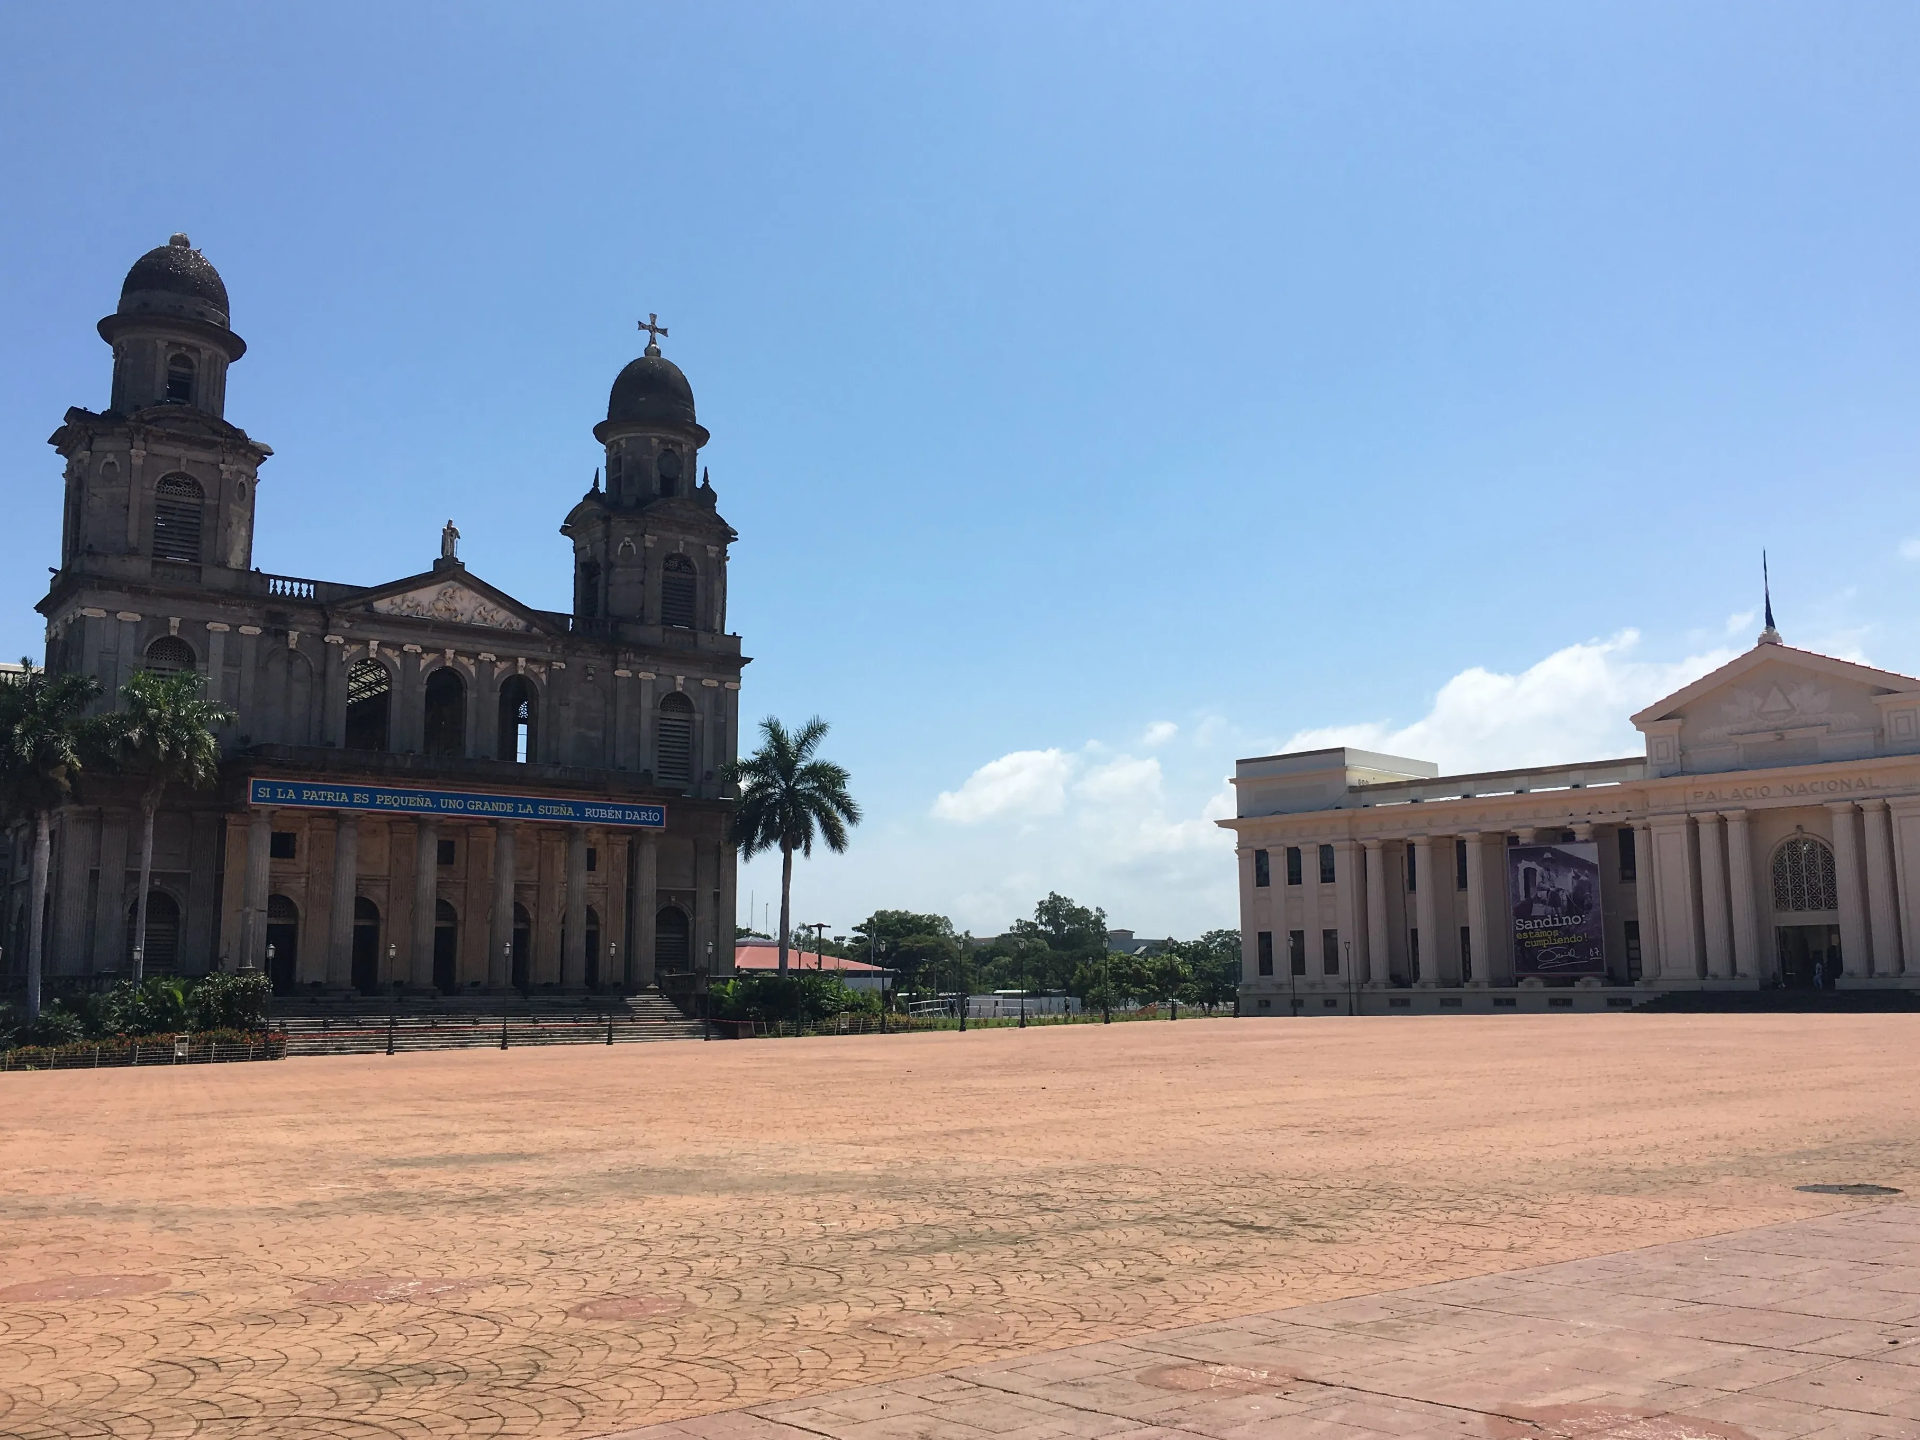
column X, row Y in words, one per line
column 366, row 1026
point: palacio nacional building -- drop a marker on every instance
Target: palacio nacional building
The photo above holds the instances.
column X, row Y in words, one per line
column 1769, row 836
column 429, row 784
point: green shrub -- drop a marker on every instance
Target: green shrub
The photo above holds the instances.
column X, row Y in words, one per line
column 153, row 1007
column 57, row 1025
column 807, row 997
column 230, row 1002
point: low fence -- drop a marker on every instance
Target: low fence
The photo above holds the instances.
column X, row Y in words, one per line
column 851, row 1024
column 147, row 1050
column 395, row 1035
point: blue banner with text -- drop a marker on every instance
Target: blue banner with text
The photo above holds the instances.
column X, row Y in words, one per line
column 465, row 804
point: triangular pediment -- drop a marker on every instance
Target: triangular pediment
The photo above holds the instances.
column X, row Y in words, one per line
column 1770, row 686
column 452, row 596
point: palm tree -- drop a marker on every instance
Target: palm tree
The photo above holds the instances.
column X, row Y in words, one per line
column 42, row 740
column 784, row 794
column 165, row 732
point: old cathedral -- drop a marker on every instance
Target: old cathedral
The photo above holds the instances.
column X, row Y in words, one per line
column 428, row 786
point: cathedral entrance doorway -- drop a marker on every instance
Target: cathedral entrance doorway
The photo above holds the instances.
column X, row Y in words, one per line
column 522, row 968
column 1809, row 956
column 593, row 948
column 672, row 941
column 283, row 943
column 446, row 947
column 366, row 946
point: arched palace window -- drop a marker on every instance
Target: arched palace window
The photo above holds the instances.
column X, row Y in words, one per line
column 1803, row 876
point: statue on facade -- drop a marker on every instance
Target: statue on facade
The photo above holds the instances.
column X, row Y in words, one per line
column 449, row 542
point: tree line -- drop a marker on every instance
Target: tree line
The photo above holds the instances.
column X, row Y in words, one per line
column 1062, row 949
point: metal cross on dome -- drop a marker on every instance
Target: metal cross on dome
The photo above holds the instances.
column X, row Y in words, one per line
column 653, row 327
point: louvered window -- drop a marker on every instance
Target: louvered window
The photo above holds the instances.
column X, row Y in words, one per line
column 178, row 507
column 678, row 591
column 676, row 740
column 169, row 655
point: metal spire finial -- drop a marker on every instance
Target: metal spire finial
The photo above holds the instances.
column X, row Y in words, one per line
column 654, row 330
column 1768, row 636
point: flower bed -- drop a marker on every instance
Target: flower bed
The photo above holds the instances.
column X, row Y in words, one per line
column 204, row 1048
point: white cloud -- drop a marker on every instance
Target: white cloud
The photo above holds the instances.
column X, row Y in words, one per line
column 1133, row 832
column 1738, row 625
column 1571, row 706
column 1025, row 783
column 1159, row 732
column 1910, row 548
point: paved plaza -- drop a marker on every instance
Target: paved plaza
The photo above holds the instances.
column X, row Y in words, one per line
column 589, row 1241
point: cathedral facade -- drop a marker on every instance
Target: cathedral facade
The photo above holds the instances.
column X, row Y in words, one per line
column 429, row 785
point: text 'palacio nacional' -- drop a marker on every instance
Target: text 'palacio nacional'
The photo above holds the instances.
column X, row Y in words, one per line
column 429, row 784
column 1768, row 837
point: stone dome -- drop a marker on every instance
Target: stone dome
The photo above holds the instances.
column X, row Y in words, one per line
column 175, row 279
column 651, row 391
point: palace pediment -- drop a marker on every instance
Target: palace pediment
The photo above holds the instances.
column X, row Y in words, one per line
column 1775, row 705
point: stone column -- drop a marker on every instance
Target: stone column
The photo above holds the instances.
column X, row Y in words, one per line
column 346, row 884
column 573, row 959
column 1855, row 955
column 1425, row 883
column 500, row 947
column 426, row 891
column 1346, row 906
column 1716, row 925
column 1481, row 951
column 1379, row 952
column 1310, row 909
column 1882, row 899
column 1646, row 901
column 1747, row 959
column 110, row 905
column 1672, row 859
column 253, row 902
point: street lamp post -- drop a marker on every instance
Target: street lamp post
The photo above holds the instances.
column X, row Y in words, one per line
column 706, row 997
column 1023, row 987
column 1351, row 1009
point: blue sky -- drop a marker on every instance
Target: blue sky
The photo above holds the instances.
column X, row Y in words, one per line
column 1100, row 391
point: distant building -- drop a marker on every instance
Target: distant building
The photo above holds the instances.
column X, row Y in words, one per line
column 1122, row 942
column 1769, row 836
column 762, row 957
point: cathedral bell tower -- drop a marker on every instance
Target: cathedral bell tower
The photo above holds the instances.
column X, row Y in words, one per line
column 159, row 485
column 650, row 549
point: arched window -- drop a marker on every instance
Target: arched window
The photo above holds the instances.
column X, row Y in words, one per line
column 672, row 940
column 283, row 943
column 161, row 951
column 679, row 588
column 170, row 655
column 445, row 727
column 369, row 698
column 180, row 379
column 446, row 947
column 519, row 715
column 675, row 766
column 366, row 945
column 178, row 508
column 522, row 968
column 1803, row 876
column 669, row 472
column 586, row 602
